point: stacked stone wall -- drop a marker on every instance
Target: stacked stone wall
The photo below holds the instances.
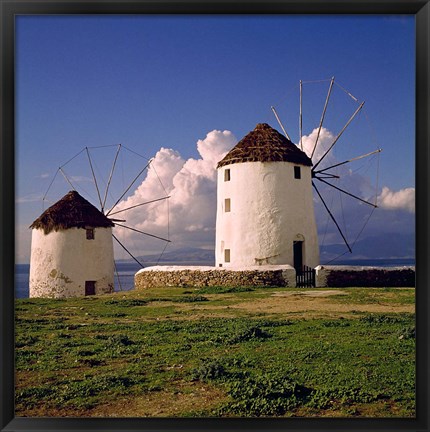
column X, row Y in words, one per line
column 152, row 277
column 349, row 276
column 280, row 276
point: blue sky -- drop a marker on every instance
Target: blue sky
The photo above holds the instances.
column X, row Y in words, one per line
column 167, row 81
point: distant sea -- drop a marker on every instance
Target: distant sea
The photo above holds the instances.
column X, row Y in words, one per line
column 126, row 272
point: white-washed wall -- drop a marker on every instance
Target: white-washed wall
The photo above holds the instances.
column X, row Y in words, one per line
column 62, row 261
column 269, row 209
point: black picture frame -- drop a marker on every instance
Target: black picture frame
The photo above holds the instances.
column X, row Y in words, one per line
column 10, row 9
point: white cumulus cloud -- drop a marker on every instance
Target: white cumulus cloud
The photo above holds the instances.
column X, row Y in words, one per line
column 189, row 214
column 325, row 139
column 403, row 199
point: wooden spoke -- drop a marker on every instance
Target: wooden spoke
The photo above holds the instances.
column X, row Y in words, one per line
column 332, row 217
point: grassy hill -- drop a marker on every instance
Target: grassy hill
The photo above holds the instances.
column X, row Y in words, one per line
column 218, row 352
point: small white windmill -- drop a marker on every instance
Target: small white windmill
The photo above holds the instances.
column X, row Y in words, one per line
column 72, row 251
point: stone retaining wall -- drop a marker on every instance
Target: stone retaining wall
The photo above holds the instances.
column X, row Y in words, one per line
column 350, row 276
column 176, row 276
column 265, row 276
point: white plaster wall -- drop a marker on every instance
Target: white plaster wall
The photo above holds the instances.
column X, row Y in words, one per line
column 286, row 269
column 321, row 273
column 269, row 210
column 62, row 261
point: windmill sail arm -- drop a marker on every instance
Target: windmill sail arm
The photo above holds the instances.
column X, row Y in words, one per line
column 332, row 217
column 138, row 205
column 347, row 161
column 128, row 251
column 117, row 275
column 50, row 184
column 339, row 135
column 324, row 175
column 301, row 116
column 143, row 232
column 280, row 123
column 95, row 178
column 323, row 116
column 347, row 193
column 66, row 178
column 347, row 92
column 70, row 160
column 128, row 188
column 110, row 176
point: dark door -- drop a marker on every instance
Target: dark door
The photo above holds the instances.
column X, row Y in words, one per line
column 90, row 288
column 298, row 255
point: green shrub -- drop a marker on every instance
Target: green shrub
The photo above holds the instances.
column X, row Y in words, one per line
column 325, row 398
column 126, row 302
column 209, row 370
column 380, row 319
column 266, row 395
column 336, row 324
column 23, row 340
column 249, row 334
column 120, row 339
column 190, row 299
column 224, row 290
column 184, row 299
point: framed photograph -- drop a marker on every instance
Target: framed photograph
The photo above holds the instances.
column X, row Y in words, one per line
column 214, row 216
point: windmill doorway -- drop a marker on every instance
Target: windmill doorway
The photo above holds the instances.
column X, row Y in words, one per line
column 90, row 288
column 298, row 255
column 305, row 276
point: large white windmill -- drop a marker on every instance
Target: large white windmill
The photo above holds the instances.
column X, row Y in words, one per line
column 265, row 202
column 265, row 212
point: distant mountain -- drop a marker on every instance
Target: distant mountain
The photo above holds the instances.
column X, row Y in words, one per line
column 183, row 255
column 383, row 246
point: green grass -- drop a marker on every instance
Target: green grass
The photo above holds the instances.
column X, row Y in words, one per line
column 79, row 356
column 379, row 296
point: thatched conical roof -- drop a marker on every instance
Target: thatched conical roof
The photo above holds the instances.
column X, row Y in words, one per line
column 265, row 144
column 72, row 211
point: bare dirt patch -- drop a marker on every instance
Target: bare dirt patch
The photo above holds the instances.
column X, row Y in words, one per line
column 186, row 397
column 311, row 305
column 318, row 303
